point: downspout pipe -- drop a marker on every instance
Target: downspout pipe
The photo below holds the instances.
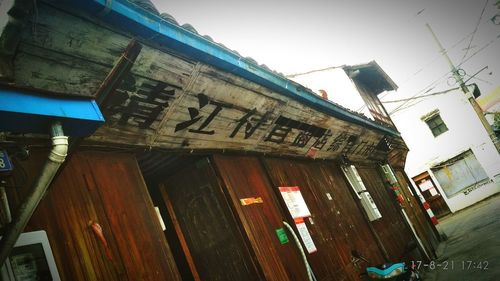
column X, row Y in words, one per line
column 26, row 210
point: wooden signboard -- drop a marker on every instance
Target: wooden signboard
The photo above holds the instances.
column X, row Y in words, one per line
column 176, row 103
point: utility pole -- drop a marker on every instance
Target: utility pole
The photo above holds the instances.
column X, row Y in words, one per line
column 466, row 91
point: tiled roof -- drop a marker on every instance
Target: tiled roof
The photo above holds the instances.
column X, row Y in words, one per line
column 149, row 6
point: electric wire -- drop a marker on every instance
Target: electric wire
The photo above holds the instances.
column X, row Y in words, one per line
column 475, row 30
column 422, row 96
column 314, row 70
column 438, row 56
column 434, row 84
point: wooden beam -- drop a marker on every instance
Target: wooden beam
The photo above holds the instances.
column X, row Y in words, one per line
column 116, row 75
column 180, row 234
column 11, row 36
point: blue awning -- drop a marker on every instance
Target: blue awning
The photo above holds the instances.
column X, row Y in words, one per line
column 23, row 112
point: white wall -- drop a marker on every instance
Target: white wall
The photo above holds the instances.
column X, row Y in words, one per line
column 465, row 131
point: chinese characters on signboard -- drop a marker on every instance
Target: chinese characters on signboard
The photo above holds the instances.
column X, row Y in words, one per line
column 143, row 103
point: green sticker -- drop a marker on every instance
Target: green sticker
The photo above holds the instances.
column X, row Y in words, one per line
column 282, row 236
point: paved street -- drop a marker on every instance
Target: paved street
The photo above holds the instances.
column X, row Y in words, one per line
column 472, row 251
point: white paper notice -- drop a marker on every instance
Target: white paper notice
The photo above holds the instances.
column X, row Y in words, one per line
column 426, row 184
column 306, row 237
column 294, row 202
column 433, row 191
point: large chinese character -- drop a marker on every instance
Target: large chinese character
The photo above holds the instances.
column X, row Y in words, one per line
column 249, row 126
column 359, row 148
column 278, row 133
column 142, row 107
column 195, row 116
column 368, row 149
column 302, row 139
column 321, row 141
column 351, row 140
column 338, row 141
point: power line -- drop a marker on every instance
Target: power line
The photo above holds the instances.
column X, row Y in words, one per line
column 315, row 70
column 475, row 30
column 421, row 69
column 422, row 96
column 438, row 56
column 481, row 49
column 432, row 84
column 439, row 79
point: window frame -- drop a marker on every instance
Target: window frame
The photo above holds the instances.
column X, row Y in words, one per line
column 435, row 123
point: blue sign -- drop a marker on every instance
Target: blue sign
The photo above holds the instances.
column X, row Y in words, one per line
column 5, row 164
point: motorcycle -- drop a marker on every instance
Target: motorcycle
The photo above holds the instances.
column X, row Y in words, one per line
column 389, row 271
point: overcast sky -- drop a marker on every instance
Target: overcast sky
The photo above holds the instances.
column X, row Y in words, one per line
column 298, row 36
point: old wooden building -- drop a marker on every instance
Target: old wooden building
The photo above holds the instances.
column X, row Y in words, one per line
column 230, row 152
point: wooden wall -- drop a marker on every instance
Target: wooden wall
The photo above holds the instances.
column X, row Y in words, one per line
column 173, row 102
column 244, row 177
column 337, row 226
column 207, row 229
column 106, row 188
column 417, row 215
column 391, row 228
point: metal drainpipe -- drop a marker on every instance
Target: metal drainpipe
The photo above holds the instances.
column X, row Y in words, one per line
column 26, row 210
column 5, row 204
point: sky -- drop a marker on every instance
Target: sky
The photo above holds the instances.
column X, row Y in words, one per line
column 299, row 36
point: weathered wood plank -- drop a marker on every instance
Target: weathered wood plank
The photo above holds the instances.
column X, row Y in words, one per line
column 65, row 214
column 143, row 248
column 211, row 232
column 391, row 228
column 244, row 177
column 331, row 204
column 332, row 259
column 81, row 39
column 174, row 103
column 101, row 187
column 417, row 215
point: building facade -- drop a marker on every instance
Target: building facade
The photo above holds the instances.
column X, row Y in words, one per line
column 452, row 159
column 237, row 159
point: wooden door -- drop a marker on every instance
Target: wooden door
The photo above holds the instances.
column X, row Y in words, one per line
column 332, row 253
column 106, row 188
column 336, row 225
column 244, row 177
column 432, row 195
column 212, row 242
column 359, row 234
column 417, row 215
column 391, row 228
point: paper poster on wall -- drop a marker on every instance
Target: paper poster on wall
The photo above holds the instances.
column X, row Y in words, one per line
column 425, row 185
column 305, row 235
column 294, row 201
column 433, row 191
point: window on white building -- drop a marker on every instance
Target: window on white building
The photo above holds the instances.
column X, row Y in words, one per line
column 435, row 123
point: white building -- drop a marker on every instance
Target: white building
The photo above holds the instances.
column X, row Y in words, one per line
column 452, row 157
